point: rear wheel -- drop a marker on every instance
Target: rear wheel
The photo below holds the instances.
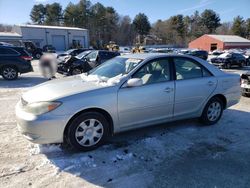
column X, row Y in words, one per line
column 212, row 111
column 87, row 131
column 38, row 56
column 9, row 73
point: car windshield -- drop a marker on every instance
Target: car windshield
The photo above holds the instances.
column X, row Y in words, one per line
column 83, row 54
column 92, row 55
column 114, row 68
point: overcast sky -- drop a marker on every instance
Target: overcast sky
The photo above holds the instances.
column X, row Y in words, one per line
column 17, row 11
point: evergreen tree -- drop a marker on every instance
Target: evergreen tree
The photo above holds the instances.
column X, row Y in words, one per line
column 38, row 13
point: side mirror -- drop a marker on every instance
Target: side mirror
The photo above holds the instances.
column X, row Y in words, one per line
column 134, row 82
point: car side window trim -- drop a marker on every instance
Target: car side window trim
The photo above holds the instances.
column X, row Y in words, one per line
column 203, row 68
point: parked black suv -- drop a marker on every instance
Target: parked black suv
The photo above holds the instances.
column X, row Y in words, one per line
column 14, row 60
column 198, row 53
column 33, row 49
column 92, row 60
column 49, row 49
column 226, row 60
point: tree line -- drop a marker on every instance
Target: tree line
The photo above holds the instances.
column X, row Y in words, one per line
column 105, row 24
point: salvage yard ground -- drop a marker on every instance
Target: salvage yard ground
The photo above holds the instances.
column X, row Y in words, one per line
column 178, row 154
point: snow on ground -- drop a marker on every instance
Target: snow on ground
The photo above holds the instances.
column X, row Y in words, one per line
column 177, row 154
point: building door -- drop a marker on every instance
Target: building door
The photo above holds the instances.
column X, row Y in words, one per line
column 80, row 41
column 213, row 47
column 58, row 41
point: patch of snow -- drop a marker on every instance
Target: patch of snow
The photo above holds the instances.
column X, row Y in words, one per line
column 121, row 157
column 152, row 142
column 103, row 81
column 68, row 168
column 36, row 149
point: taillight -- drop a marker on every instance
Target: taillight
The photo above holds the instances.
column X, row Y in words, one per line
column 27, row 58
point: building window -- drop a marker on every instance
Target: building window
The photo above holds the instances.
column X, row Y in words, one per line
column 213, row 47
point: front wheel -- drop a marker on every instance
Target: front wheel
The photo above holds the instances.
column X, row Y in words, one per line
column 76, row 71
column 88, row 131
column 212, row 111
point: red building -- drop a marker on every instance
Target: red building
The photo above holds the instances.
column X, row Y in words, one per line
column 219, row 42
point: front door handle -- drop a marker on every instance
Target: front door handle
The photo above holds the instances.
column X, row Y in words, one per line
column 168, row 90
column 210, row 83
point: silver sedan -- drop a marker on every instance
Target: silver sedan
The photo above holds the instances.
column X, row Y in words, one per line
column 125, row 93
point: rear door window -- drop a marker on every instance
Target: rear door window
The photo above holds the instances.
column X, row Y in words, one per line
column 188, row 69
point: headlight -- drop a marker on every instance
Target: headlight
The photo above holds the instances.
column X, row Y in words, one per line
column 38, row 108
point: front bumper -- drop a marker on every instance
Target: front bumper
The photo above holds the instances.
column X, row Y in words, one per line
column 42, row 129
column 62, row 69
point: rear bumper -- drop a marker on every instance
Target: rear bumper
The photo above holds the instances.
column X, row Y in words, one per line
column 25, row 69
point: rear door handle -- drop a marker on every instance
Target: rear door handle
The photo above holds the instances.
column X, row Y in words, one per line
column 168, row 90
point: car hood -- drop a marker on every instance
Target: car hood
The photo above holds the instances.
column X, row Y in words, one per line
column 55, row 89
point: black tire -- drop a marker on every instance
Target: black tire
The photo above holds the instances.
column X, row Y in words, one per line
column 74, row 128
column 9, row 73
column 205, row 119
column 38, row 55
column 76, row 71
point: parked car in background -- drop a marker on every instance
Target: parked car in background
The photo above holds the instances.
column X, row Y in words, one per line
column 74, row 66
column 245, row 84
column 124, row 50
column 33, row 49
column 162, row 50
column 124, row 93
column 65, row 65
column 49, row 49
column 14, row 61
column 247, row 56
column 227, row 60
column 216, row 52
column 67, row 54
column 198, row 53
column 73, row 52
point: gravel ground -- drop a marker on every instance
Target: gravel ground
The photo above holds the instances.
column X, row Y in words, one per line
column 178, row 154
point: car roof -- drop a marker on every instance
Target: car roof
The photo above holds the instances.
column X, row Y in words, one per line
column 144, row 56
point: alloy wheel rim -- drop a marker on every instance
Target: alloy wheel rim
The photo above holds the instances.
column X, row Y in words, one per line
column 89, row 132
column 214, row 111
column 9, row 73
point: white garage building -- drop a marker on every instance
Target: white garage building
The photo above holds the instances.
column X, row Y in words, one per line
column 61, row 38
